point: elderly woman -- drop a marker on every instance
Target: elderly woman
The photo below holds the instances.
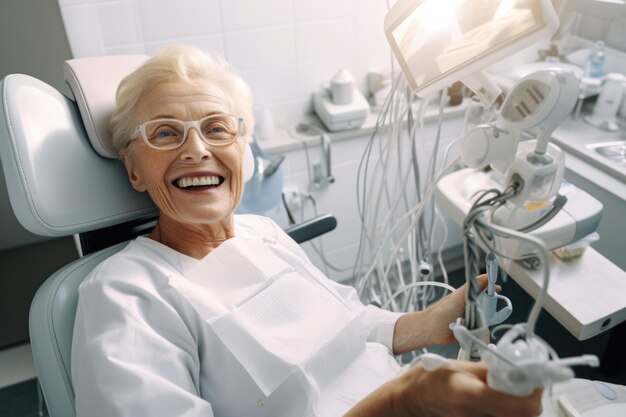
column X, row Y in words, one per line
column 219, row 314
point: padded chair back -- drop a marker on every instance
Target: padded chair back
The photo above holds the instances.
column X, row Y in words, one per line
column 59, row 186
column 51, row 323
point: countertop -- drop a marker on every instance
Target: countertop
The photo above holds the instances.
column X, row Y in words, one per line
column 287, row 137
column 574, row 136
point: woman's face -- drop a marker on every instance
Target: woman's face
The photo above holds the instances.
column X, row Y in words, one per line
column 162, row 173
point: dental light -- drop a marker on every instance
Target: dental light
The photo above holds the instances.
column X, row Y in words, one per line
column 538, row 102
column 439, row 42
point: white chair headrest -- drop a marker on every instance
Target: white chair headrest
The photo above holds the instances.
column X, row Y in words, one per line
column 56, row 183
column 94, row 82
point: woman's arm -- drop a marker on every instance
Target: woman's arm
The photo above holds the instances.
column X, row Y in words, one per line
column 132, row 354
column 431, row 327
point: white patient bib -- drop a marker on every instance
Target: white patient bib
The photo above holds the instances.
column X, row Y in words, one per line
column 277, row 316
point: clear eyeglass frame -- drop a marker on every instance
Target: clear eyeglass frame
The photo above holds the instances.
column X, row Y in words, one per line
column 187, row 125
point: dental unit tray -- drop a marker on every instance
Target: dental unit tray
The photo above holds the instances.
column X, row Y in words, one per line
column 579, row 217
column 585, row 294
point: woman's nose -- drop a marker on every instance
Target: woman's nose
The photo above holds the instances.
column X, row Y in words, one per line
column 195, row 147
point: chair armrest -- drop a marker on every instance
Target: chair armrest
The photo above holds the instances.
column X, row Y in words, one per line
column 312, row 228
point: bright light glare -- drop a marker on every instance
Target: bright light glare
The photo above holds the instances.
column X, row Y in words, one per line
column 436, row 39
column 505, row 7
column 436, row 15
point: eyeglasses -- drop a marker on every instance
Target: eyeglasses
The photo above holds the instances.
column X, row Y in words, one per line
column 167, row 134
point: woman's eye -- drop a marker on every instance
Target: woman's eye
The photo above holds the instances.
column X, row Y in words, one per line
column 164, row 133
column 216, row 129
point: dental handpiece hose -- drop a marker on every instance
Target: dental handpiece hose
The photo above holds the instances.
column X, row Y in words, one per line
column 475, row 331
column 482, row 312
column 471, row 329
column 488, row 300
column 492, row 274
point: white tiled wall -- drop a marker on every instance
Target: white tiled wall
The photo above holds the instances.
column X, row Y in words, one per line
column 284, row 49
column 340, row 197
column 598, row 21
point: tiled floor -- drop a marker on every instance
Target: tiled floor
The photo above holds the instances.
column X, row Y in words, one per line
column 19, row 395
column 16, row 365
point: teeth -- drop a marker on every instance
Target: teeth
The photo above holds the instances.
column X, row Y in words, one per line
column 197, row 181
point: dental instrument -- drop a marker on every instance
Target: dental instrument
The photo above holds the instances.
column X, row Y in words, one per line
column 405, row 237
column 488, row 299
column 436, row 45
column 504, row 223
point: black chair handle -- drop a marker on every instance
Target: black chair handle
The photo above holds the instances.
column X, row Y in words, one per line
column 96, row 240
column 312, row 228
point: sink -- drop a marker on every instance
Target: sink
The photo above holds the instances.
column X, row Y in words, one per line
column 605, row 151
column 614, row 151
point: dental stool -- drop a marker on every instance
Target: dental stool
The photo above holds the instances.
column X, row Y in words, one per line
column 63, row 179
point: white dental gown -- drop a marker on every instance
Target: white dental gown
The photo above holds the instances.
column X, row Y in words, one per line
column 253, row 329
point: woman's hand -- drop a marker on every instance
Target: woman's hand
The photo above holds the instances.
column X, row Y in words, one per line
column 431, row 326
column 458, row 389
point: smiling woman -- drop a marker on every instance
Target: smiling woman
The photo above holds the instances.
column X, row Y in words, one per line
column 181, row 102
column 160, row 166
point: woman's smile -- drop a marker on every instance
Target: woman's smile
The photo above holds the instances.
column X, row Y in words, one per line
column 199, row 182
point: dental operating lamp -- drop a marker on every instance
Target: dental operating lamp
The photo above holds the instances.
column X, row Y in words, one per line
column 534, row 168
column 437, row 43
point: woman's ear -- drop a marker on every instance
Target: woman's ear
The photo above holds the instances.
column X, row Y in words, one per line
column 133, row 177
column 248, row 162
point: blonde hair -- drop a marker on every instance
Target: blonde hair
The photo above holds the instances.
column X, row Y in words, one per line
column 178, row 63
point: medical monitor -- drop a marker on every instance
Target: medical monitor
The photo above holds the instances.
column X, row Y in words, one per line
column 439, row 42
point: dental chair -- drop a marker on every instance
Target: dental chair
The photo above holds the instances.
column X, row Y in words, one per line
column 63, row 180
